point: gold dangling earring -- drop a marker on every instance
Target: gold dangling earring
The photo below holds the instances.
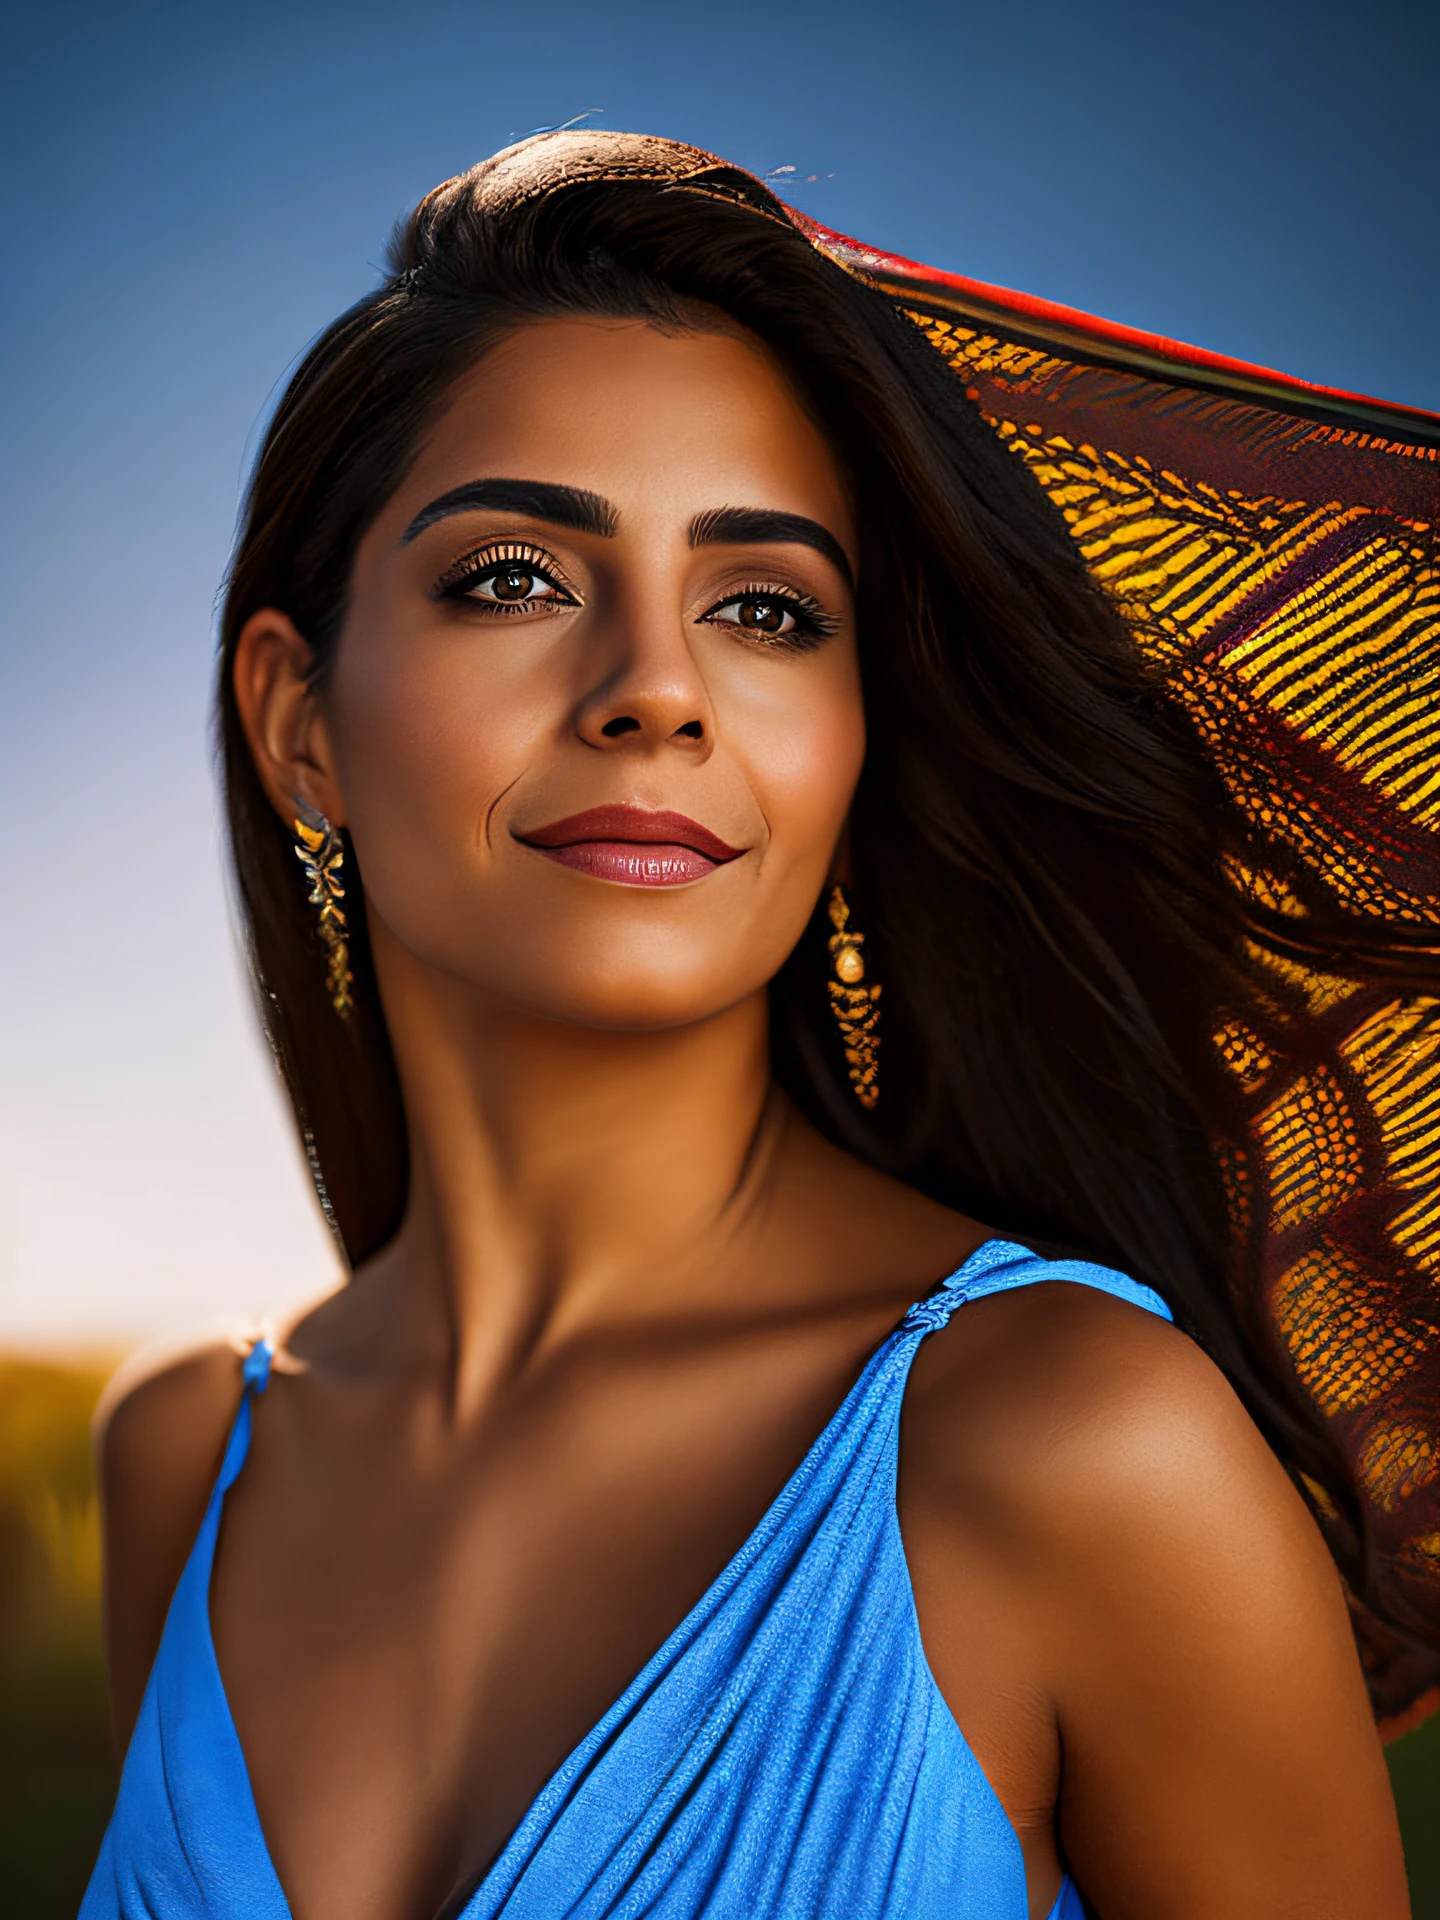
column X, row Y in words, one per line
column 321, row 852
column 856, row 1008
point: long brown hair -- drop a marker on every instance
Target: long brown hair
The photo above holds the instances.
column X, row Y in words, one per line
column 1043, row 855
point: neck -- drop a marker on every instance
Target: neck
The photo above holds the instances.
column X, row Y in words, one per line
column 564, row 1176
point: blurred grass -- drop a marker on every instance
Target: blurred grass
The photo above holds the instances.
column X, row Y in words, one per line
column 1415, row 1776
column 57, row 1775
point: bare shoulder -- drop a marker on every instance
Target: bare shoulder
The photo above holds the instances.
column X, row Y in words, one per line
column 162, row 1420
column 1081, row 1469
column 1089, row 1417
column 160, row 1432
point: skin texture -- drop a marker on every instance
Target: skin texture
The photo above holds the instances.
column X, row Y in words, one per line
column 494, row 1471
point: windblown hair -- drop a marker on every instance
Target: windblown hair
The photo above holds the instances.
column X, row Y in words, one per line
column 1043, row 856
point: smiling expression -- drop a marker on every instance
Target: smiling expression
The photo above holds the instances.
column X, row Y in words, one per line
column 595, row 716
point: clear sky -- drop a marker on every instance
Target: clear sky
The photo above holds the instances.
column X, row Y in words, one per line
column 192, row 192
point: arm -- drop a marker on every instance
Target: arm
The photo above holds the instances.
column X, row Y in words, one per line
column 160, row 1432
column 1178, row 1612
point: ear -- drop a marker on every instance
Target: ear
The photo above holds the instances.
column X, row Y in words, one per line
column 281, row 714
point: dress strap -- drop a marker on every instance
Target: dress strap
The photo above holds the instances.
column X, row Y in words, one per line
column 256, row 1371
column 255, row 1377
column 1000, row 1266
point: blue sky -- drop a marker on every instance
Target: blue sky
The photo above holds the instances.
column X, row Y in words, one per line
column 192, row 192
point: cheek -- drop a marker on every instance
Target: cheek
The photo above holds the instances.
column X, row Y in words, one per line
column 801, row 740
column 429, row 732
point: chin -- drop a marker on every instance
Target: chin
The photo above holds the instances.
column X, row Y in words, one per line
column 631, row 1001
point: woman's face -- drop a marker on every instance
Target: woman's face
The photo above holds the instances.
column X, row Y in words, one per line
column 595, row 718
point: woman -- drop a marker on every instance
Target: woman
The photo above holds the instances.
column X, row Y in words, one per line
column 639, row 650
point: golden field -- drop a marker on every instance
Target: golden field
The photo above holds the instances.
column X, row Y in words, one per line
column 57, row 1774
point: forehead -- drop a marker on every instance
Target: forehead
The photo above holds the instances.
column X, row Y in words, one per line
column 699, row 418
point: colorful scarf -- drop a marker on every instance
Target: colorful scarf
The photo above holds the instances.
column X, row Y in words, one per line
column 1275, row 548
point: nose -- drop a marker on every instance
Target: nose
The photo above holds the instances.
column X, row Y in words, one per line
column 652, row 693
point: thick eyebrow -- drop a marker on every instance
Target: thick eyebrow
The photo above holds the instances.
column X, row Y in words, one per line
column 740, row 526
column 536, row 499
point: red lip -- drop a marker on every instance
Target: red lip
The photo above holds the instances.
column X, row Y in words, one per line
column 607, row 843
column 632, row 823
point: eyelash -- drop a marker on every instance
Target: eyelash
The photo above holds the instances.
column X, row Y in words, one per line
column 813, row 625
column 469, row 571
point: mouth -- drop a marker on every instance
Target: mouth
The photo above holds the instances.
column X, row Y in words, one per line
column 632, row 846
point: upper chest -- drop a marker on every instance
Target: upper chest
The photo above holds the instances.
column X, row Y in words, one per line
column 413, row 1638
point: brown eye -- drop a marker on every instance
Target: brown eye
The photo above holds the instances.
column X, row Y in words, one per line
column 774, row 617
column 506, row 583
column 764, row 616
column 512, row 583
column 769, row 616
